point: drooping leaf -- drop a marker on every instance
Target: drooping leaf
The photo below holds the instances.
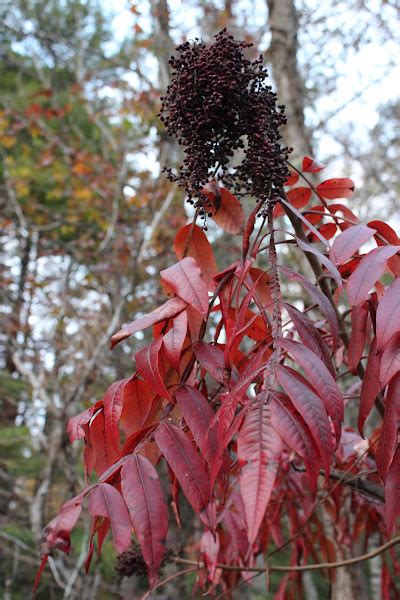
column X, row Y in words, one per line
column 198, row 415
column 198, row 248
column 296, row 434
column 321, row 379
column 77, row 425
column 141, row 490
column 358, row 335
column 147, row 363
column 100, row 451
column 168, row 310
column 370, row 385
column 370, row 268
column 319, row 298
column 336, row 188
column 185, row 278
column 392, row 483
column 310, row 336
column 188, row 466
column 230, row 215
column 39, row 572
column 348, row 242
column 174, row 339
column 259, row 451
column 211, row 359
column 113, row 402
column 57, row 534
column 388, row 315
column 106, row 501
column 388, row 438
column 311, row 408
column 310, row 165
column 138, row 406
column 390, row 362
column 209, row 548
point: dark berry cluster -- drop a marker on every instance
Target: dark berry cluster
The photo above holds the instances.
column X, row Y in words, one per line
column 226, row 118
column 131, row 562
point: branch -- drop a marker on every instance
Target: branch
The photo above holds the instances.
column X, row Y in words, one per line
column 299, row 568
column 154, row 223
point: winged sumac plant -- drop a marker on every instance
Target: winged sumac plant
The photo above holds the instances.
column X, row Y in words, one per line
column 254, row 405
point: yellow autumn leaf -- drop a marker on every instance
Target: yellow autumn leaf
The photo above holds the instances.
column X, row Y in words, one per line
column 83, row 194
column 22, row 188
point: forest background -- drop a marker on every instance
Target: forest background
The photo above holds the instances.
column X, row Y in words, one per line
column 88, row 218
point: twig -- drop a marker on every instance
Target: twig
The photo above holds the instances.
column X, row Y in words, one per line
column 299, row 568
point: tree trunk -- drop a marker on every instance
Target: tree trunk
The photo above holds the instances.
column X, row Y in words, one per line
column 282, row 54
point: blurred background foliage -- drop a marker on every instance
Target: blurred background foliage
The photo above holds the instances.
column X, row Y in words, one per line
column 88, row 219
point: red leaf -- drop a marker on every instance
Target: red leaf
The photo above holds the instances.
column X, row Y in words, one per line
column 147, row 363
column 388, row 315
column 145, row 501
column 390, row 363
column 77, row 425
column 113, row 402
column 39, row 572
column 292, row 179
column 188, row 467
column 359, row 316
column 388, row 439
column 370, row 268
column 319, row 298
column 198, row 248
column 327, row 230
column 370, row 385
column 263, row 290
column 310, row 165
column 170, row 309
column 311, row 408
column 392, row 486
column 198, row 415
column 386, row 235
column 321, row 379
column 259, row 451
column 336, row 188
column 295, row 433
column 138, row 406
column 211, row 359
column 230, row 215
column 186, row 280
column 322, row 259
column 310, row 336
column 106, row 501
column 209, row 548
column 134, row 438
column 299, row 196
column 383, row 230
column 57, row 534
column 100, row 450
column 174, row 339
column 348, row 242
